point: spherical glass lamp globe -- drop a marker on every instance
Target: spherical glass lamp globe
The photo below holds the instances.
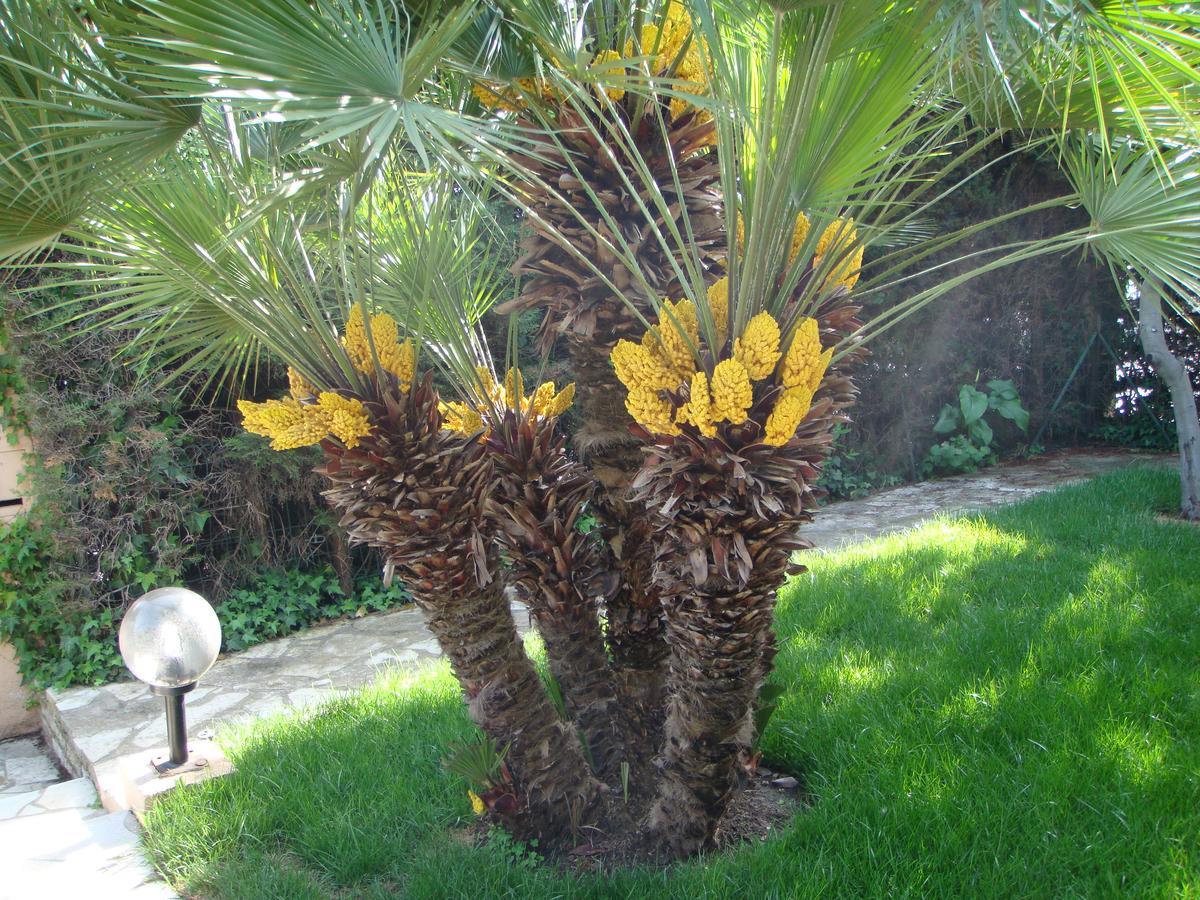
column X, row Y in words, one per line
column 170, row 637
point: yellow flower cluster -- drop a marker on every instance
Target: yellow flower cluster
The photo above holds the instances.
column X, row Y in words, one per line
column 510, row 98
column 298, row 387
column 609, row 56
column 678, row 332
column 666, row 42
column 803, row 368
column 477, row 805
column 732, row 393
column 291, row 424
column 718, row 304
column 651, row 410
column 758, row 347
column 395, row 357
column 698, row 409
column 789, row 412
column 841, row 239
column 466, row 419
column 642, row 366
column 799, row 236
column 460, row 418
column 345, row 418
column 662, row 396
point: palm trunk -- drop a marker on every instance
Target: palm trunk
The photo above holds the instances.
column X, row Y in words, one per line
column 506, row 699
column 417, row 493
column 636, row 634
column 1183, row 397
column 539, row 495
column 726, row 527
column 580, row 306
column 720, row 559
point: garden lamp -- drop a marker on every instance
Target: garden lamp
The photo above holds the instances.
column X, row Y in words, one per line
column 169, row 638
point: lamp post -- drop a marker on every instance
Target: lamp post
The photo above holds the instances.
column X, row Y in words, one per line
column 169, row 638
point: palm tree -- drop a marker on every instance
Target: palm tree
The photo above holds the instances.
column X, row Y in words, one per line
column 280, row 210
column 1148, row 229
column 1122, row 79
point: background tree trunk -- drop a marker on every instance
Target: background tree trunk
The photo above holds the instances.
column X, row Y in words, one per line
column 1183, row 397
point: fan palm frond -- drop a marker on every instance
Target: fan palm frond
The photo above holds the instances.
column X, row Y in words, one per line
column 71, row 122
column 1125, row 67
column 1139, row 220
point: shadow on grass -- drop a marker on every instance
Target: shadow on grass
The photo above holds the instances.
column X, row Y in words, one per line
column 1003, row 705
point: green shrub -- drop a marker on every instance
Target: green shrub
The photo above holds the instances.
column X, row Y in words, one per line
column 1140, row 432
column 58, row 643
column 846, row 474
column 141, row 484
column 62, row 641
column 971, row 444
column 282, row 602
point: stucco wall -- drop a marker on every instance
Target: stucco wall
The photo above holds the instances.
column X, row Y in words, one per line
column 12, row 458
column 15, row 718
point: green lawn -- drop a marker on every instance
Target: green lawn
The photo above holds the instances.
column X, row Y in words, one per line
column 997, row 706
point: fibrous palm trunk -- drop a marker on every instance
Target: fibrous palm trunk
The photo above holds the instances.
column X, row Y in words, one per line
column 580, row 306
column 535, row 503
column 726, row 520
column 416, row 492
column 721, row 556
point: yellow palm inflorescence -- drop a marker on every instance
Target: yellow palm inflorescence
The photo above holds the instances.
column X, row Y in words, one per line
column 758, row 347
column 477, row 805
column 396, row 357
column 805, row 363
column 602, row 58
column 732, row 393
column 298, row 387
column 651, row 410
column 663, row 43
column 698, row 409
column 678, row 332
column 841, row 239
column 308, row 416
column 718, row 304
column 291, row 424
column 510, row 97
column 346, row 419
column 666, row 42
column 799, row 236
column 785, row 418
column 544, row 402
column 662, row 397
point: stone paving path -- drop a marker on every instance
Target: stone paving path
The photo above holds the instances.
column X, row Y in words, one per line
column 899, row 508
column 56, row 841
column 100, row 732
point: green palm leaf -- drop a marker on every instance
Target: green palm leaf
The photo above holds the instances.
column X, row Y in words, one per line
column 70, row 122
column 1107, row 65
column 1141, row 220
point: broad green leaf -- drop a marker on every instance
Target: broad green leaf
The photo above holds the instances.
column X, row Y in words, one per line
column 973, row 403
column 948, row 420
column 980, row 433
column 1013, row 411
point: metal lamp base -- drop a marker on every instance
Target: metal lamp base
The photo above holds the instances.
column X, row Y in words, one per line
column 178, row 761
column 165, row 768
